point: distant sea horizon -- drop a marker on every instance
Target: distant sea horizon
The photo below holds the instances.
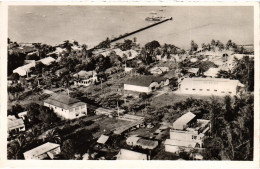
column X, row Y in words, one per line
column 92, row 24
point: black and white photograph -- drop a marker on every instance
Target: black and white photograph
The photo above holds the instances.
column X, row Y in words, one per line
column 131, row 82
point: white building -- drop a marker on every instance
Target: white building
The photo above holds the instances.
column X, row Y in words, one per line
column 25, row 69
column 47, row 60
column 131, row 155
column 66, row 107
column 84, row 78
column 15, row 125
column 45, row 151
column 159, row 70
column 145, row 84
column 144, row 143
column 187, row 133
column 212, row 72
column 210, row 86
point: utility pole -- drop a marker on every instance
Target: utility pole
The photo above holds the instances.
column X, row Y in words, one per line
column 117, row 108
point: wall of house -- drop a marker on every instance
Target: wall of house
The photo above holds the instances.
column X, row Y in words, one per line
column 208, row 89
column 42, row 156
column 77, row 112
column 86, row 82
column 137, row 88
column 175, row 134
column 69, row 114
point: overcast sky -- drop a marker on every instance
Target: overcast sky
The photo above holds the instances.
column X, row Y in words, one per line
column 91, row 24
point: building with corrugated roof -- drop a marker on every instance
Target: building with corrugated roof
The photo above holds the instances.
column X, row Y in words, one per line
column 212, row 72
column 145, row 84
column 210, row 86
column 25, row 69
column 66, row 107
column 159, row 70
column 125, row 154
column 15, row 125
column 187, row 132
column 44, row 151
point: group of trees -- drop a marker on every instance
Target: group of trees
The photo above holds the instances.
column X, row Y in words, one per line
column 40, row 114
column 15, row 90
column 232, row 129
column 242, row 71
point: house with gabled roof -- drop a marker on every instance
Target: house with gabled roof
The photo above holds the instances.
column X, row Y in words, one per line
column 44, row 151
column 66, row 107
column 15, row 125
column 187, row 133
column 145, row 84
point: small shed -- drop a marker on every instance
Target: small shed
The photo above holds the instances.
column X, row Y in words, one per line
column 102, row 139
column 125, row 154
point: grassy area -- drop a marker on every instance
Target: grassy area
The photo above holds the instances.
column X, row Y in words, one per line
column 108, row 124
column 172, row 98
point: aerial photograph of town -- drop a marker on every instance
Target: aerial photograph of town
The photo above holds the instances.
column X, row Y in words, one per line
column 130, row 83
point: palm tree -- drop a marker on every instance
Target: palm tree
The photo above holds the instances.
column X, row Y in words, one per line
column 53, row 136
column 15, row 150
column 33, row 134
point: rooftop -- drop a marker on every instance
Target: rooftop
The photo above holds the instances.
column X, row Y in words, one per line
column 208, row 80
column 44, row 148
column 183, row 120
column 63, row 101
column 15, row 123
column 47, row 60
column 130, row 155
column 102, row 139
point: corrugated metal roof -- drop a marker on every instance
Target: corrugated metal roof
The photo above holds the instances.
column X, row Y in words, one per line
column 47, row 60
column 183, row 120
column 63, row 101
column 44, row 148
column 102, row 139
column 130, row 155
column 149, row 144
column 212, row 72
column 194, row 81
column 15, row 123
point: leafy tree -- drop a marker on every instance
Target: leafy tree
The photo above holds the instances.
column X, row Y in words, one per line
column 15, row 149
column 68, row 149
column 194, row 46
column 15, row 110
column 53, row 136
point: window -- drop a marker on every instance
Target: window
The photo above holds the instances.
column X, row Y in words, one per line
column 229, row 92
column 61, row 109
column 193, row 89
column 194, row 137
column 215, row 90
column 201, row 89
column 186, row 89
column 222, row 92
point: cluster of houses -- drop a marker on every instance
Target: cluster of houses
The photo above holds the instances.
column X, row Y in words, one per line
column 187, row 132
column 26, row 69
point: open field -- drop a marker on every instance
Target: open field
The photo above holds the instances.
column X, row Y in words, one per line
column 172, row 98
